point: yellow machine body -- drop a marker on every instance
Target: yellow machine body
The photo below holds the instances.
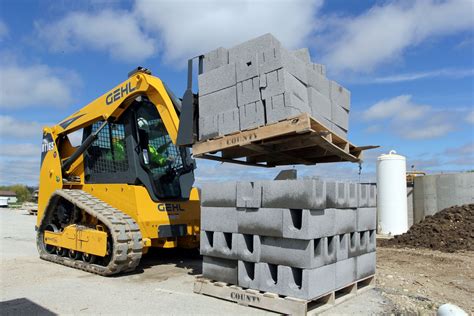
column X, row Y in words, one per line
column 89, row 241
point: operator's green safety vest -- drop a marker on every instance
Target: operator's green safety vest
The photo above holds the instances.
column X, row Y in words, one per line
column 155, row 155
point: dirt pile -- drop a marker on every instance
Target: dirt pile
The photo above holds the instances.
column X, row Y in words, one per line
column 449, row 230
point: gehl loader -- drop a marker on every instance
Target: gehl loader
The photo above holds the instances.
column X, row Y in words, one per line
column 128, row 186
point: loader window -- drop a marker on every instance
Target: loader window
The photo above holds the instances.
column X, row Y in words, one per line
column 108, row 152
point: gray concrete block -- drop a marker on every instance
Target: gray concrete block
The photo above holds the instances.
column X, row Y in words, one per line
column 307, row 283
column 248, row 274
column 373, row 196
column 208, row 127
column 249, row 194
column 324, row 121
column 219, row 245
column 363, row 195
column 308, row 224
column 248, row 247
column 228, row 122
column 346, row 272
column 283, row 106
column 336, row 129
column 281, row 81
column 303, row 55
column 261, row 221
column 342, row 246
column 366, row 218
column 218, row 102
column 320, row 105
column 340, row 95
column 294, row 194
column 248, row 91
column 219, row 269
column 215, row 59
column 346, row 221
column 354, row 244
column 364, row 242
column 318, row 82
column 298, row 253
column 337, row 195
column 372, row 246
column 217, row 79
column 366, row 264
column 319, row 68
column 340, row 116
column 270, row 277
column 219, row 194
column 247, row 49
column 247, row 68
column 252, row 115
column 274, row 58
column 221, row 219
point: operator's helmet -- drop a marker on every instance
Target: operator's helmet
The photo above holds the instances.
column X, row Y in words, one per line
column 143, row 124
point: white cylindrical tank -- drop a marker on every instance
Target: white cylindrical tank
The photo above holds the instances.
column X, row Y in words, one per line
column 392, row 194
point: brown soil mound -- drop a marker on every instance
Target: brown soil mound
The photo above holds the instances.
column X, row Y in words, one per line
column 449, row 230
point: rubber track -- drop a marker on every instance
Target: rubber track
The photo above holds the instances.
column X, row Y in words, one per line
column 125, row 233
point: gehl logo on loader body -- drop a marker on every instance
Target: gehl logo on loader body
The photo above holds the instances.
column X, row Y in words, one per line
column 119, row 93
column 170, row 207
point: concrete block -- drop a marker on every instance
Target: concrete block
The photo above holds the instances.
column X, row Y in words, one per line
column 249, row 194
column 219, row 245
column 283, row 106
column 220, row 219
column 215, row 59
column 252, row 115
column 228, row 122
column 246, row 50
column 337, row 195
column 324, row 121
column 274, row 58
column 248, row 91
column 248, row 247
column 298, row 253
column 336, row 129
column 262, row 221
column 318, row 82
column 248, row 274
column 319, row 68
column 218, row 102
column 208, row 127
column 372, row 196
column 281, row 81
column 217, row 79
column 219, row 269
column 354, row 244
column 342, row 246
column 346, row 272
column 303, row 55
column 363, row 242
column 363, row 195
column 372, row 241
column 346, row 221
column 294, row 194
column 219, row 194
column 320, row 105
column 308, row 224
column 247, row 68
column 307, row 283
column 366, row 218
column 340, row 95
column 366, row 264
column 340, row 116
column 270, row 277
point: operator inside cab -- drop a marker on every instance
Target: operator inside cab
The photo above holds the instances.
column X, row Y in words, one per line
column 152, row 154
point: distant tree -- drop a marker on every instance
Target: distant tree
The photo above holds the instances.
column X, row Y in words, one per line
column 22, row 192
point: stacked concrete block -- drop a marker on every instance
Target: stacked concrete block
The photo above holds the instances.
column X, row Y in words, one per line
column 260, row 82
column 298, row 238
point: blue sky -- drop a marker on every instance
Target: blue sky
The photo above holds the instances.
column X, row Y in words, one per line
column 408, row 64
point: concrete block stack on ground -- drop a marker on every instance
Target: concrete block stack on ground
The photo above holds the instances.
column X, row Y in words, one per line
column 298, row 238
column 260, row 82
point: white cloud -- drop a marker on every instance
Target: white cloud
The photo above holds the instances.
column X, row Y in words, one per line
column 399, row 108
column 20, row 150
column 19, row 170
column 470, row 117
column 11, row 127
column 3, row 30
column 384, row 32
column 188, row 28
column 428, row 131
column 35, row 85
column 116, row 32
column 439, row 73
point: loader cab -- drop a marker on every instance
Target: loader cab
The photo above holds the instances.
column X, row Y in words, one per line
column 136, row 149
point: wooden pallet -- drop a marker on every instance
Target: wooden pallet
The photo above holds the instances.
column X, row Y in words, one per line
column 297, row 140
column 277, row 303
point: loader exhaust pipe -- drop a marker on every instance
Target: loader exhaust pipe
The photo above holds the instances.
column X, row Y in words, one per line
column 89, row 140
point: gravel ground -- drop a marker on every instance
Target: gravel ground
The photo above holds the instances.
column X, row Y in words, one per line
column 164, row 283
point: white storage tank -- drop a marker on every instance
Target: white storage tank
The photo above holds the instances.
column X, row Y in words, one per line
column 392, row 194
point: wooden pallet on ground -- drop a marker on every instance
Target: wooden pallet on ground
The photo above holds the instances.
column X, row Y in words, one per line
column 280, row 304
column 297, row 140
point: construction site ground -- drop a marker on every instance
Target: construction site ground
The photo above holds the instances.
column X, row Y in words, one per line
column 407, row 280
